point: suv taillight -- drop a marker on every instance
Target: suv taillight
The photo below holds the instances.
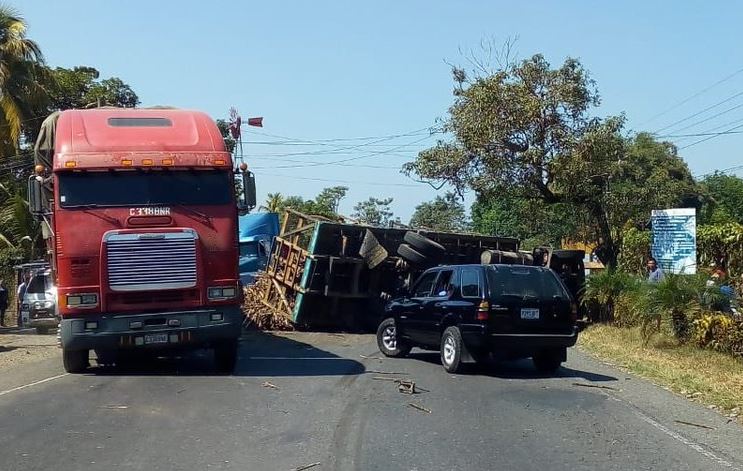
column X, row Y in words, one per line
column 573, row 312
column 483, row 311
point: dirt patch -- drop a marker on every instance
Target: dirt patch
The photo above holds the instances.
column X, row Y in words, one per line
column 20, row 349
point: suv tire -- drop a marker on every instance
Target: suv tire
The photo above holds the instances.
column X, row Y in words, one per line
column 388, row 341
column 411, row 255
column 547, row 361
column 424, row 245
column 225, row 356
column 452, row 347
column 75, row 361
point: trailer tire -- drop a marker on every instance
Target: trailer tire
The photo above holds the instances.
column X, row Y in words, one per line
column 424, row 245
column 411, row 255
column 225, row 356
column 75, row 361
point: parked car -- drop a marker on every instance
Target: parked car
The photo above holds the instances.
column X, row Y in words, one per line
column 469, row 312
column 41, row 302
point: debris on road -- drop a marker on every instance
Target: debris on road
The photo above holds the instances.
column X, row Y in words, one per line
column 406, row 387
column 261, row 313
column 370, row 357
column 586, row 385
column 683, row 422
column 269, row 385
column 420, row 408
column 115, row 407
column 308, row 466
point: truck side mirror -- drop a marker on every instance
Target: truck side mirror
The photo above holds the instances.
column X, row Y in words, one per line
column 36, row 196
column 248, row 199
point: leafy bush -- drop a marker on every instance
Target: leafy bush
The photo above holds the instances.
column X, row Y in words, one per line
column 603, row 290
column 634, row 251
column 720, row 332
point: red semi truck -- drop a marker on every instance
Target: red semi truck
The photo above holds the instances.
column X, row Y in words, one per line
column 139, row 209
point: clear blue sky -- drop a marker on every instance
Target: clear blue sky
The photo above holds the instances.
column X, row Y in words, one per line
column 339, row 69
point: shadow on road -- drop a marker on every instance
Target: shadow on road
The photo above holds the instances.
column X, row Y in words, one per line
column 260, row 354
column 515, row 369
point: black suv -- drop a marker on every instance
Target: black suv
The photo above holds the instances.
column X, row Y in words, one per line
column 471, row 311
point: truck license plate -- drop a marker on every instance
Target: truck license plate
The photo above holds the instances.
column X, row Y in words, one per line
column 156, row 338
column 530, row 314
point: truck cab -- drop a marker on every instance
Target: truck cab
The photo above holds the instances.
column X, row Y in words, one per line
column 140, row 213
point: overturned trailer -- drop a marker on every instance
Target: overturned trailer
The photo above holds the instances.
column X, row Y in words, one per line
column 326, row 274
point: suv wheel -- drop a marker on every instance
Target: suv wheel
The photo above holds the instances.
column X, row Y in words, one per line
column 388, row 342
column 547, row 361
column 452, row 347
column 75, row 361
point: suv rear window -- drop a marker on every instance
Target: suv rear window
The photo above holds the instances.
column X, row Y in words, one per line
column 524, row 282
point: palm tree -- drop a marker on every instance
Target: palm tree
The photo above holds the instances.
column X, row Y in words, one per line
column 21, row 71
column 274, row 203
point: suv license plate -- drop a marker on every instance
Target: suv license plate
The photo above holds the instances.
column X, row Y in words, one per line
column 156, row 338
column 530, row 314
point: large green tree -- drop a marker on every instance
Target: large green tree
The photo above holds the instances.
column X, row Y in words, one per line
column 21, row 79
column 374, row 211
column 444, row 213
column 724, row 202
column 526, row 129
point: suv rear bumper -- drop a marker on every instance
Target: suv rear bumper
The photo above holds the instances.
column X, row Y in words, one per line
column 475, row 336
column 114, row 332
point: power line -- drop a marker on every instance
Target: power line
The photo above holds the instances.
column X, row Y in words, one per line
column 701, row 134
column 710, row 117
column 688, row 99
column 700, row 112
column 387, row 167
column 350, row 182
column 712, row 137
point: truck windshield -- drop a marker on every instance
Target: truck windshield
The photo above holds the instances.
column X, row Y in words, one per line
column 204, row 187
column 524, row 282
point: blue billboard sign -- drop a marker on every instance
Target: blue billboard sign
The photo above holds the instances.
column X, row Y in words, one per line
column 674, row 243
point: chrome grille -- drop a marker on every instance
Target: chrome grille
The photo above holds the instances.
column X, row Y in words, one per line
column 152, row 261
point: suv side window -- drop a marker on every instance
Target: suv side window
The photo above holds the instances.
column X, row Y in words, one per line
column 422, row 288
column 444, row 283
column 471, row 283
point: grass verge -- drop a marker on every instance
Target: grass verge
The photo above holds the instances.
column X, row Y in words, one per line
column 704, row 376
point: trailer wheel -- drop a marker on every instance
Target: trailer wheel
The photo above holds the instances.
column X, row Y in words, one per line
column 424, row 245
column 225, row 356
column 75, row 361
column 411, row 255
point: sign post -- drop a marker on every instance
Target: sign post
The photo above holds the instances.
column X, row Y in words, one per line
column 674, row 243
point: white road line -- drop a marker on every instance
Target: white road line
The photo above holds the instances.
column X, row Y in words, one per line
column 297, row 358
column 678, row 437
column 41, row 381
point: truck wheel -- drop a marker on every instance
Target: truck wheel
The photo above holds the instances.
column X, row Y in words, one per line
column 411, row 255
column 42, row 330
column 75, row 361
column 424, row 245
column 547, row 361
column 452, row 347
column 388, row 341
column 225, row 356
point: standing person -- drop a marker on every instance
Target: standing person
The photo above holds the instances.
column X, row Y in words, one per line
column 655, row 274
column 20, row 294
column 3, row 302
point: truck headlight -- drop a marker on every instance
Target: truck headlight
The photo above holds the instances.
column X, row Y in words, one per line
column 221, row 292
column 83, row 300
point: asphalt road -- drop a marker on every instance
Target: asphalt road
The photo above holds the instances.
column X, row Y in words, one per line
column 300, row 399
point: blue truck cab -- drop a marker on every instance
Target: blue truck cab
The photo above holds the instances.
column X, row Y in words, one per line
column 256, row 233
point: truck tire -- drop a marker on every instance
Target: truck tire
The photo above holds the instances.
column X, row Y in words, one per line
column 225, row 356
column 452, row 348
column 424, row 245
column 389, row 343
column 411, row 255
column 75, row 361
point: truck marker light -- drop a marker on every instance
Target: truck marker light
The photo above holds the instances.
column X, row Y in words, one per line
column 126, row 162
column 146, row 161
column 219, row 162
column 70, row 164
column 91, row 325
column 167, row 161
